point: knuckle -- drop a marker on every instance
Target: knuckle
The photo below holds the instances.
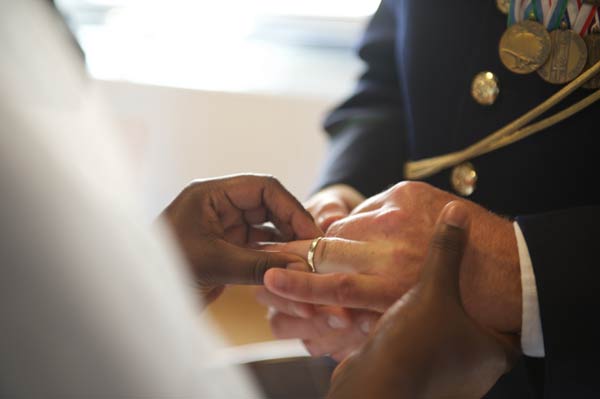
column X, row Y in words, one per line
column 194, row 187
column 393, row 215
column 409, row 188
column 272, row 181
column 333, row 205
column 345, row 288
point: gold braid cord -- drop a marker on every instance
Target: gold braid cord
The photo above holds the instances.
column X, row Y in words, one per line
column 511, row 133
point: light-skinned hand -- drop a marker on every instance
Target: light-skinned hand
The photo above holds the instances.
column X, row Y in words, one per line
column 426, row 345
column 374, row 256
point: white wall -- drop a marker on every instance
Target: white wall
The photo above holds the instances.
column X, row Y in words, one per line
column 176, row 135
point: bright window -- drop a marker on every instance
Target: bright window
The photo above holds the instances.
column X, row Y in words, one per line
column 291, row 46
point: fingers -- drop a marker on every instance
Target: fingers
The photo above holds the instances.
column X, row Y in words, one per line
column 333, row 203
column 330, row 215
column 245, row 235
column 442, row 265
column 325, row 334
column 326, row 321
column 338, row 289
column 285, row 210
column 334, row 254
column 254, row 199
column 282, row 305
column 230, row 264
column 328, row 211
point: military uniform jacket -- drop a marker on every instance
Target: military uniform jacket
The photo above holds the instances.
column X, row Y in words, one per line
column 414, row 102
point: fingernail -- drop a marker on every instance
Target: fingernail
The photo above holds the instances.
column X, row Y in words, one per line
column 271, row 312
column 300, row 311
column 455, row 214
column 329, row 218
column 365, row 327
column 336, row 323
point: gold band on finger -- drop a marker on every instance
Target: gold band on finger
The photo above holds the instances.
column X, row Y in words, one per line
column 311, row 254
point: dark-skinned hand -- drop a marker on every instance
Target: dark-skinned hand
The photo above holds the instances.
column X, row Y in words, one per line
column 425, row 345
column 217, row 221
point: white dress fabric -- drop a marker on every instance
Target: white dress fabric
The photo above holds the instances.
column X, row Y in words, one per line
column 94, row 303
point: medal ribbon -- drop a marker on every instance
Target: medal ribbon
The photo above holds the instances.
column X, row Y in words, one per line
column 519, row 10
column 580, row 16
column 584, row 19
column 573, row 7
column 550, row 12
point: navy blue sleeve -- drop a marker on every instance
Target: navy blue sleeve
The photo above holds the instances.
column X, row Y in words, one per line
column 365, row 131
column 563, row 246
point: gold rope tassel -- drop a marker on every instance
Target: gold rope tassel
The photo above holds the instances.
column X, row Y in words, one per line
column 510, row 133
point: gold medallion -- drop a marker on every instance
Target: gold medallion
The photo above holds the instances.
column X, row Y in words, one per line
column 485, row 88
column 593, row 45
column 525, row 47
column 503, row 6
column 464, row 179
column 568, row 58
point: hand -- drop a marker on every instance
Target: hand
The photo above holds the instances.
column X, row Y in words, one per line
column 324, row 330
column 426, row 346
column 332, row 204
column 216, row 220
column 374, row 256
column 331, row 331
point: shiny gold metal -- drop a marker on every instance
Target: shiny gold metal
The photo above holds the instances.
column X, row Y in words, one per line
column 310, row 258
column 511, row 133
column 464, row 179
column 525, row 47
column 503, row 6
column 485, row 88
column 567, row 59
column 592, row 42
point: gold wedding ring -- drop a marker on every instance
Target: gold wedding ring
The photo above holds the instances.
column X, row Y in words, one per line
column 311, row 254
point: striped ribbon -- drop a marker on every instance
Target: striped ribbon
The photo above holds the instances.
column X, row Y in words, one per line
column 580, row 16
column 550, row 12
column 519, row 10
column 573, row 7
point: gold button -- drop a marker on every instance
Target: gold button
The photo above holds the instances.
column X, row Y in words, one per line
column 464, row 179
column 485, row 88
column 503, row 6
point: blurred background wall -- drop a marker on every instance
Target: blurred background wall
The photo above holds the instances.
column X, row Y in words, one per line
column 203, row 88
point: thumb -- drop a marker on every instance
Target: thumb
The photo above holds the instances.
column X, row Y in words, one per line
column 442, row 266
column 237, row 265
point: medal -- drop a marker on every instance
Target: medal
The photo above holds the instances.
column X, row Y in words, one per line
column 593, row 45
column 567, row 59
column 525, row 46
column 504, row 6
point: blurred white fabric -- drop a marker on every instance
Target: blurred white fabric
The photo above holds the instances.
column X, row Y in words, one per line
column 93, row 302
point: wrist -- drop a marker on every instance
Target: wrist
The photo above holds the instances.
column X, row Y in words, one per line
column 491, row 277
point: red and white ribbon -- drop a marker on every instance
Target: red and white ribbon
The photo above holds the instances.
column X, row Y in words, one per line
column 581, row 15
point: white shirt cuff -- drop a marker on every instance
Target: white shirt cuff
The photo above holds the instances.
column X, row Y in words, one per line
column 532, row 338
